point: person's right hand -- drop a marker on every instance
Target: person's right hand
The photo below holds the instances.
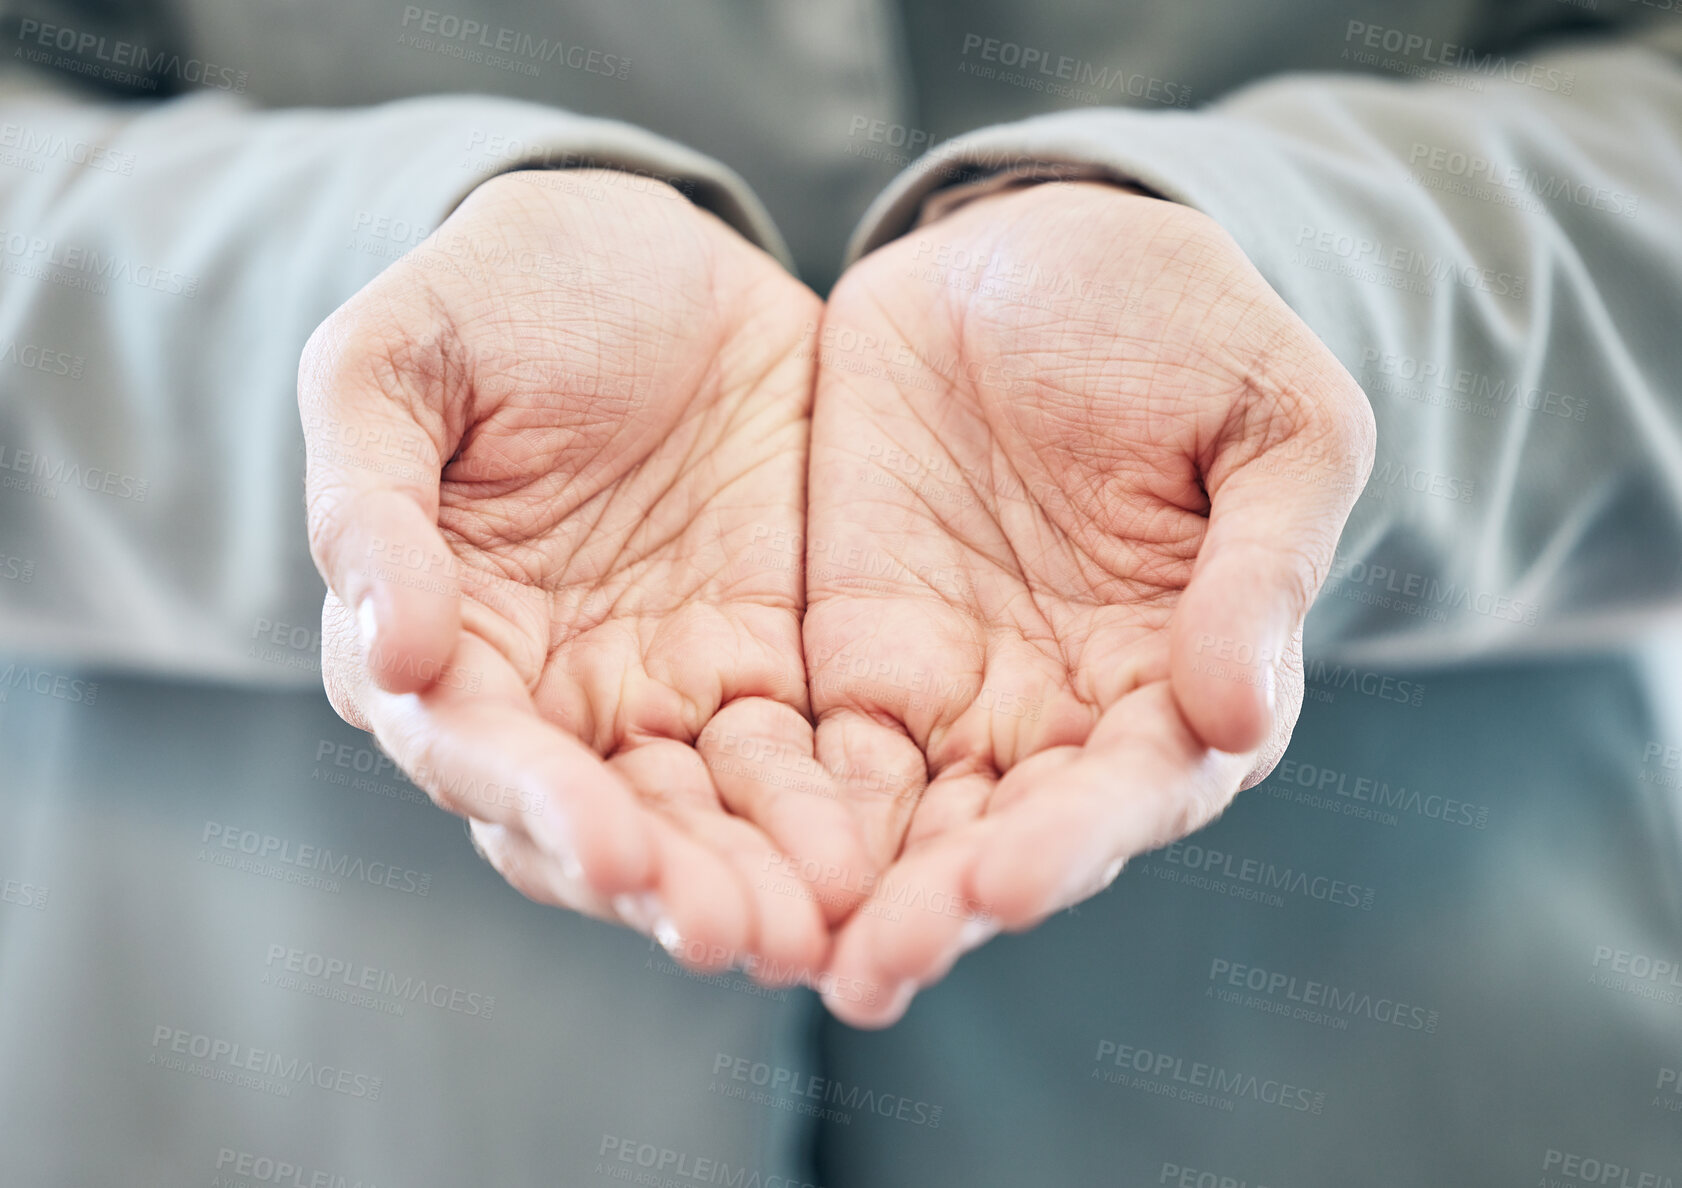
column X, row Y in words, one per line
column 556, row 486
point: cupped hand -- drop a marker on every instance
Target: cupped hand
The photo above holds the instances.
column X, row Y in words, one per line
column 544, row 449
column 1077, row 474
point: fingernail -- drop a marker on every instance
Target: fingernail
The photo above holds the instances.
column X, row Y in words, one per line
column 667, row 934
column 642, row 910
column 367, row 625
column 977, row 931
column 901, row 1000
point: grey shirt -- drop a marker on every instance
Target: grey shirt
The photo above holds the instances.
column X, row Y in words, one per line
column 1476, row 206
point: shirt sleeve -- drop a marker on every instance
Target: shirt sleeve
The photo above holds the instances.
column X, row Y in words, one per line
column 162, row 264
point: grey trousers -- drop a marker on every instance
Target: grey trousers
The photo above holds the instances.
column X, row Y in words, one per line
column 1439, row 945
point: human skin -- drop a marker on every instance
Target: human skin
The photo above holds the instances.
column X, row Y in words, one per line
column 1107, row 467
column 541, row 447
column 1075, row 476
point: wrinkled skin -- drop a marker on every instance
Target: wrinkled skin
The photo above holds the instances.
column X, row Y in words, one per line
column 542, row 447
column 1069, row 506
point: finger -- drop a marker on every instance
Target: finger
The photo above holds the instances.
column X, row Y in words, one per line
column 919, row 920
column 1062, row 828
column 535, row 874
column 475, row 743
column 690, row 940
column 1274, row 521
column 882, row 775
column 786, row 937
column 715, row 916
column 921, row 916
column 761, row 758
column 371, row 487
column 697, row 909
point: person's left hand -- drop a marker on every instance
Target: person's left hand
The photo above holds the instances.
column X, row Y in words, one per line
column 1077, row 474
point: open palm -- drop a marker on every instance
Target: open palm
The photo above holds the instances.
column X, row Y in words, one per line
column 1063, row 529
column 601, row 408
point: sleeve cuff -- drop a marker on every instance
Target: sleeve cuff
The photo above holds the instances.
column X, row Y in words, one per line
column 1198, row 159
column 471, row 139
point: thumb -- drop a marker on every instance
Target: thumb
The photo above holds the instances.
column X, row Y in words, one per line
column 1274, row 522
column 372, row 503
